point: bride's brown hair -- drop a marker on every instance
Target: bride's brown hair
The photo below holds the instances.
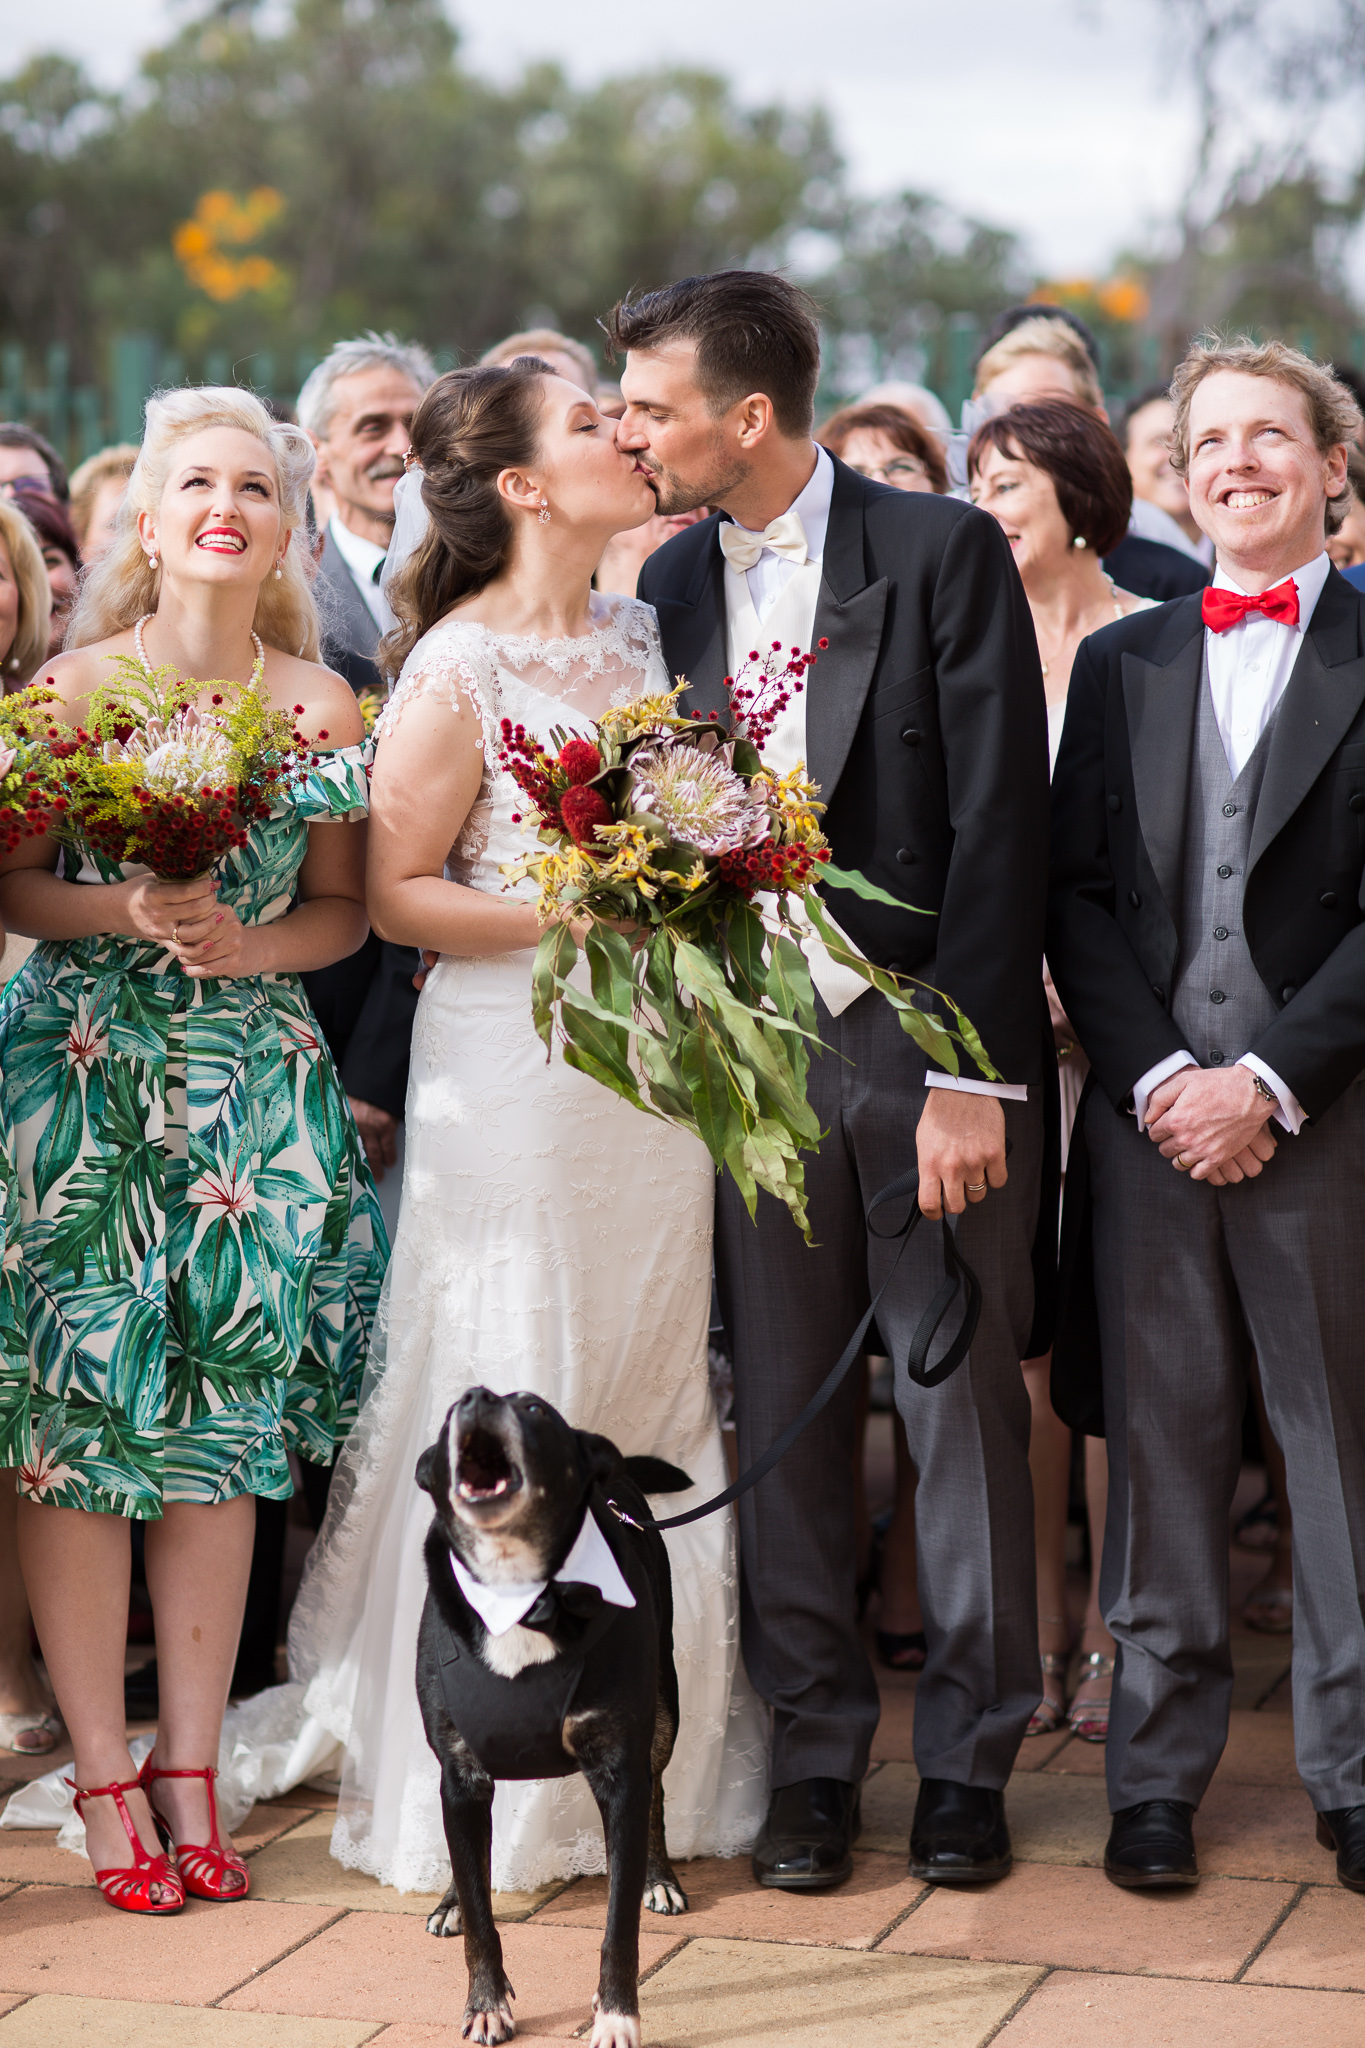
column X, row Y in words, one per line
column 471, row 425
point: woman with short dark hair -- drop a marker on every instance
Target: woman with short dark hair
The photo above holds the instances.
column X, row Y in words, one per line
column 884, row 443
column 1054, row 476
column 61, row 553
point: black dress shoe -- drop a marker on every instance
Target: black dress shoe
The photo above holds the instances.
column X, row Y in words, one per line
column 806, row 1842
column 959, row 1834
column 1343, row 1829
column 1152, row 1844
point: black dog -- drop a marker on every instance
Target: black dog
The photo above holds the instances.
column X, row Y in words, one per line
column 579, row 1683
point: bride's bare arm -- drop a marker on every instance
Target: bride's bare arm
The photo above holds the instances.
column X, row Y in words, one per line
column 427, row 773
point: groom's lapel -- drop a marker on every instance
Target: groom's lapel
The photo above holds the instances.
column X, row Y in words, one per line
column 693, row 630
column 849, row 614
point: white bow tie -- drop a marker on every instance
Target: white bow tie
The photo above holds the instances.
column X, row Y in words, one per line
column 785, row 536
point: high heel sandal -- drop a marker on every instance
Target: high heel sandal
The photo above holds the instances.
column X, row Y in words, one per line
column 1089, row 1719
column 1048, row 1717
column 130, row 1887
column 203, row 1869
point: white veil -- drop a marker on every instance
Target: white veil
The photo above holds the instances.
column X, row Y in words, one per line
column 410, row 522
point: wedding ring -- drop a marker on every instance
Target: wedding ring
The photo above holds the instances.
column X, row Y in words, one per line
column 977, row 1187
column 175, row 935
column 1181, row 1163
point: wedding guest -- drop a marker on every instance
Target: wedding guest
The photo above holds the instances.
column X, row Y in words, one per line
column 1054, row 477
column 25, row 599
column 567, row 358
column 29, row 1726
column 213, row 1319
column 98, row 489
column 1147, row 427
column 1047, row 354
column 61, row 556
column 626, row 553
column 1206, row 937
column 25, row 457
column 886, row 444
column 924, row 707
column 917, row 400
column 1347, row 545
column 357, row 408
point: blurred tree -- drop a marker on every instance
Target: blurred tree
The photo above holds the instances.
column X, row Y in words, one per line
column 412, row 194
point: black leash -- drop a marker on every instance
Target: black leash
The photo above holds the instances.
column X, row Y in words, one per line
column 958, row 1278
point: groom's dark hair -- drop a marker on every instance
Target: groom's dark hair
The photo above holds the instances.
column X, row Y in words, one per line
column 754, row 332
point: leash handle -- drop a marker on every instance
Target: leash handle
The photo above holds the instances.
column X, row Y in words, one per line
column 958, row 1278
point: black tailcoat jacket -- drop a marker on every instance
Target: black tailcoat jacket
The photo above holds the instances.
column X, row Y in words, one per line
column 1119, row 797
column 926, row 730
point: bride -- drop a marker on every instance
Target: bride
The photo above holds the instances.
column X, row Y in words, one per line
column 551, row 1237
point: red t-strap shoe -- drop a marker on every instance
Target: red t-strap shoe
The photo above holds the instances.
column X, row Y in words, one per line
column 131, row 1888
column 203, row 1871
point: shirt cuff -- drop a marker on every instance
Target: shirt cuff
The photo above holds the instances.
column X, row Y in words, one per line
column 1005, row 1091
column 1290, row 1114
column 1153, row 1078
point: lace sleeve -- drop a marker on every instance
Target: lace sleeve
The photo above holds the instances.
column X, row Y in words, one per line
column 635, row 626
column 454, row 663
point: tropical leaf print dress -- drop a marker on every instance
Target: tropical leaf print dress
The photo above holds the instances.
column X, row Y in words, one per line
column 202, row 1247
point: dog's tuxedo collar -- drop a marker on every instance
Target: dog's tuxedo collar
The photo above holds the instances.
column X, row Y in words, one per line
column 589, row 1563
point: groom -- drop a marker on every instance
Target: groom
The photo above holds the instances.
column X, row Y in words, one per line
column 924, row 726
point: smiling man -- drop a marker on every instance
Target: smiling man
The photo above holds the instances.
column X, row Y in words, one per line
column 1207, row 937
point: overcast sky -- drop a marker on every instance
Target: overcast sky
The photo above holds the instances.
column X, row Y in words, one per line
column 1056, row 118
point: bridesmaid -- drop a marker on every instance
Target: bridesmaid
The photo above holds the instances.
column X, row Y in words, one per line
column 201, row 1240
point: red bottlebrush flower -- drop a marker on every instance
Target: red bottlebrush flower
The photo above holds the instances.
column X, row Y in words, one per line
column 583, row 811
column 580, row 760
column 324, row 734
column 822, row 643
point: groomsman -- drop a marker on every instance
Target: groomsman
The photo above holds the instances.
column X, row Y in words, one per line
column 1207, row 939
column 923, row 723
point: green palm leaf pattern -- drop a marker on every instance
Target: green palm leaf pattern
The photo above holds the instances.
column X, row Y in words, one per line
column 193, row 1248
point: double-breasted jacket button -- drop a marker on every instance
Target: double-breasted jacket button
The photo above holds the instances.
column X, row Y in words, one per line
column 910, row 735
column 1328, row 899
column 1158, row 991
column 907, row 856
column 1216, row 996
column 1288, row 993
column 1229, row 810
column 1355, row 801
column 1223, row 872
column 1220, row 931
column 1134, row 899
column 1115, row 801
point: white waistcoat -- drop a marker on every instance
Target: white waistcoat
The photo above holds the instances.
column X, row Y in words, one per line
column 791, row 620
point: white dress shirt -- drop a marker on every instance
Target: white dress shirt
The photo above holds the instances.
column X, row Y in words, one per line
column 769, row 579
column 1246, row 672
column 362, row 558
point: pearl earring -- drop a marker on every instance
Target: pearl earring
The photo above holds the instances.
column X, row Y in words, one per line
column 279, row 572
column 152, row 561
column 544, row 511
column 1079, row 541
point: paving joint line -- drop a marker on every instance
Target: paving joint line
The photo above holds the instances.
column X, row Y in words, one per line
column 1299, row 1892
column 926, row 1892
column 1020, row 2002
column 253, row 1976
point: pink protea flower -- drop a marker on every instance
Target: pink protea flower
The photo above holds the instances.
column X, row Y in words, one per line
column 698, row 796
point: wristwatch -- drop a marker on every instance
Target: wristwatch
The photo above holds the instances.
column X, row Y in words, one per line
column 1264, row 1088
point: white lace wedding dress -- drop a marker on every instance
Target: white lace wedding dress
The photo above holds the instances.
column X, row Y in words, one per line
column 551, row 1238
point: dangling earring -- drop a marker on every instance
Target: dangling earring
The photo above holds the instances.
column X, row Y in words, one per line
column 544, row 511
column 279, row 572
column 152, row 561
column 1079, row 541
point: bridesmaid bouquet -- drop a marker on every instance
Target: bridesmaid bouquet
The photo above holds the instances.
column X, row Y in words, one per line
column 151, row 779
column 31, row 793
column 694, row 870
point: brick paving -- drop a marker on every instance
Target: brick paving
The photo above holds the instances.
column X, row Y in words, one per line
column 1266, row 1947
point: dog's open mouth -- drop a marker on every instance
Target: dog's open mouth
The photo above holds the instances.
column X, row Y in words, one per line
column 486, row 1473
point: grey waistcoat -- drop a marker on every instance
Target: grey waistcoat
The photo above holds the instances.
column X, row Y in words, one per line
column 1220, row 1002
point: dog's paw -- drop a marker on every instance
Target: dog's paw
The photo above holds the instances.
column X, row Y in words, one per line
column 445, row 1920
column 615, row 2030
column 492, row 2024
column 665, row 1895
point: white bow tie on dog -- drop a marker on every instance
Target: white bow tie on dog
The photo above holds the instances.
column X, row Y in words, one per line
column 786, row 537
column 589, row 1563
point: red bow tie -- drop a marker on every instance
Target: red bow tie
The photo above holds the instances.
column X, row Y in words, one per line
column 1224, row 608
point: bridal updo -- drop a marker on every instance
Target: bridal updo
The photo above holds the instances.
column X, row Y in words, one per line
column 472, row 425
column 122, row 586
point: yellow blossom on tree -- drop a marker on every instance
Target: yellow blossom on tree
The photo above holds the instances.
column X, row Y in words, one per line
column 221, row 218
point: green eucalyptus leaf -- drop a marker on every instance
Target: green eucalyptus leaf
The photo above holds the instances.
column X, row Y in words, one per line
column 849, row 878
column 555, row 958
column 704, row 1072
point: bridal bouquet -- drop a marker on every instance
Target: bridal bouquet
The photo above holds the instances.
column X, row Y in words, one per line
column 152, row 779
column 690, row 872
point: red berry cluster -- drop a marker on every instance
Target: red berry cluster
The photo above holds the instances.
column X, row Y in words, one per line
column 525, row 760
column 757, row 708
column 768, row 867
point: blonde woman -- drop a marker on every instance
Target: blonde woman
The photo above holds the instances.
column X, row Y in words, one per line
column 202, row 1245
column 25, row 598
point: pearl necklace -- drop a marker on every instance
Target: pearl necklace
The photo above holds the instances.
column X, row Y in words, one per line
column 1118, row 612
column 255, row 679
